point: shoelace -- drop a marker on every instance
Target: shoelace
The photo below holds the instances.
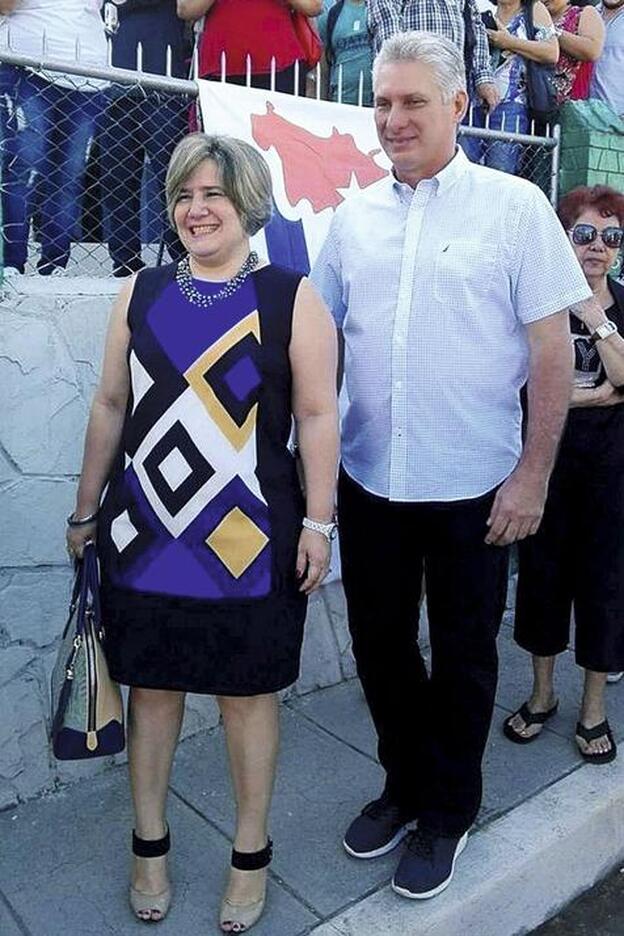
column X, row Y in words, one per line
column 420, row 842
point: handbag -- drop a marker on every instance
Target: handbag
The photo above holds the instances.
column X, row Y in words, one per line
column 308, row 39
column 540, row 81
column 87, row 707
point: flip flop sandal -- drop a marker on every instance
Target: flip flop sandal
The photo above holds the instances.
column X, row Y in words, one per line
column 529, row 718
column 590, row 734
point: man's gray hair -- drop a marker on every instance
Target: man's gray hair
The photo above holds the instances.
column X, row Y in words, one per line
column 439, row 53
column 244, row 176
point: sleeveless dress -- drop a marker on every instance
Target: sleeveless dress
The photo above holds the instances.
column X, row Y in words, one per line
column 201, row 518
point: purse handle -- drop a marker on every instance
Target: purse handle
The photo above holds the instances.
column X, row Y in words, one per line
column 87, row 581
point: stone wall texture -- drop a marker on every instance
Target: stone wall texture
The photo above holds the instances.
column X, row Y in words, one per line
column 51, row 341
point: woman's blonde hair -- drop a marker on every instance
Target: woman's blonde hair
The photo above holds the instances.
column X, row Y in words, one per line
column 243, row 172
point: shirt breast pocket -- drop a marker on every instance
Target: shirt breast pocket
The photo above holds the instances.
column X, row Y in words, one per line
column 463, row 272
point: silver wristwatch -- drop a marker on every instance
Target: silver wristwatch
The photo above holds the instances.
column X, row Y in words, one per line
column 605, row 330
column 328, row 530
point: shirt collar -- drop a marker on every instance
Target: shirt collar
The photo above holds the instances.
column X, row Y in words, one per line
column 441, row 181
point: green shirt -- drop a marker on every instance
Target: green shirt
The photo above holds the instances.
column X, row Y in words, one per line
column 351, row 48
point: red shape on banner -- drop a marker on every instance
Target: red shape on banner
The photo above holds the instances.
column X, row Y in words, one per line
column 314, row 167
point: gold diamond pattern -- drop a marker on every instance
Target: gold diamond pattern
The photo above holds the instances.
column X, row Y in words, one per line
column 237, row 541
column 237, row 435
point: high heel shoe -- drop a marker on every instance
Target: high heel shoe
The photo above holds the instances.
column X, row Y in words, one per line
column 139, row 900
column 239, row 917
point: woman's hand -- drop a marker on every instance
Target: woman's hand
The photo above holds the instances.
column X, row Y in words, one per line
column 603, row 395
column 499, row 37
column 78, row 537
column 313, row 555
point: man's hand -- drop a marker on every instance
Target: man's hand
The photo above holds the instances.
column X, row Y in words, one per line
column 489, row 95
column 517, row 509
column 7, row 6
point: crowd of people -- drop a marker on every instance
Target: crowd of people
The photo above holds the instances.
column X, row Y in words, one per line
column 467, row 428
column 64, row 139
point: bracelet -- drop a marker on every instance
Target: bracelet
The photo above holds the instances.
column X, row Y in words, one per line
column 81, row 521
column 328, row 530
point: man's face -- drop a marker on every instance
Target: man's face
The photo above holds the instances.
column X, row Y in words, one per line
column 415, row 126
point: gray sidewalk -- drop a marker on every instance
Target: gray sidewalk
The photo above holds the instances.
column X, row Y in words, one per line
column 549, row 826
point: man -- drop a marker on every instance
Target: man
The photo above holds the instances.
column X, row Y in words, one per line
column 607, row 81
column 447, row 280
column 445, row 18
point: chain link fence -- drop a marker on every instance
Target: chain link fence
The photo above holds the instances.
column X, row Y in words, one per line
column 84, row 154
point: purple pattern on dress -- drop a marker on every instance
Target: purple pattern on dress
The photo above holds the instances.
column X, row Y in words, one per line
column 155, row 561
column 243, row 378
column 185, row 331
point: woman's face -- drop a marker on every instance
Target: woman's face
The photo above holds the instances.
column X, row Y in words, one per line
column 555, row 7
column 206, row 221
column 595, row 258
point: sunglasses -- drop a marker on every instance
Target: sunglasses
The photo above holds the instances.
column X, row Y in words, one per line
column 583, row 234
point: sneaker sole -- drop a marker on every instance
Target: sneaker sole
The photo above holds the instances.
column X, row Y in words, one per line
column 436, row 890
column 388, row 847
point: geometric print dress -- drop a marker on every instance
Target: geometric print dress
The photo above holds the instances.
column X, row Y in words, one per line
column 199, row 524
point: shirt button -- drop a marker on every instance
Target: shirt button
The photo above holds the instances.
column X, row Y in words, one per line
column 398, row 384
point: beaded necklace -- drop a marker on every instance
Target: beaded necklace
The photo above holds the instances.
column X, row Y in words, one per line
column 184, row 279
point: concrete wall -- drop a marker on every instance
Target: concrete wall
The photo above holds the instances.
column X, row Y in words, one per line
column 51, row 339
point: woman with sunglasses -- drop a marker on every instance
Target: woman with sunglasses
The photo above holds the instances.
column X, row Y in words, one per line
column 576, row 559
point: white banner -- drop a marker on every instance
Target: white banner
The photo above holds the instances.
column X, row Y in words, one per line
column 318, row 152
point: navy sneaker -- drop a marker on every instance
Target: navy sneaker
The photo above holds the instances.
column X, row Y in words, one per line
column 427, row 865
column 377, row 830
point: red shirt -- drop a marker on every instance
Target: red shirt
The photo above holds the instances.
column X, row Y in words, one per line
column 260, row 28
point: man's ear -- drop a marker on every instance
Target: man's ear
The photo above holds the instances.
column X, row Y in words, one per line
column 460, row 105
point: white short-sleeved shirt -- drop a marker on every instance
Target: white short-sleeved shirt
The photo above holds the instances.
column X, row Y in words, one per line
column 433, row 288
column 73, row 29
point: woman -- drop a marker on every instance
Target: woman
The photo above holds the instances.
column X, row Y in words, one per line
column 510, row 50
column 576, row 559
column 205, row 563
column 261, row 31
column 581, row 35
column 47, row 123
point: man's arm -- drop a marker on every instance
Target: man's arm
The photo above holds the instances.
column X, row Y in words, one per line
column 481, row 70
column 384, row 20
column 519, row 502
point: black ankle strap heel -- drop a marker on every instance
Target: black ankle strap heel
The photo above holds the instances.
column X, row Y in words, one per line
column 150, row 848
column 253, row 861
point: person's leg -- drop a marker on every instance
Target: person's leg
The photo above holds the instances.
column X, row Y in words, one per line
column 154, row 720
column 31, row 123
column 121, row 158
column 381, row 573
column 164, row 126
column 9, row 80
column 505, row 156
column 599, row 594
column 473, row 146
column 544, row 596
column 466, row 583
column 75, row 117
column 252, row 737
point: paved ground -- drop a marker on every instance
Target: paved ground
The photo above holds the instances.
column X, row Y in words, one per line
column 598, row 913
column 64, row 858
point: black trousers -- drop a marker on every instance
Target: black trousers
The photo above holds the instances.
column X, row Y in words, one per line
column 432, row 729
column 576, row 558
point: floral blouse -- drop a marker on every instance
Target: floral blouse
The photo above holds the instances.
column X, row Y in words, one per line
column 569, row 69
column 509, row 67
